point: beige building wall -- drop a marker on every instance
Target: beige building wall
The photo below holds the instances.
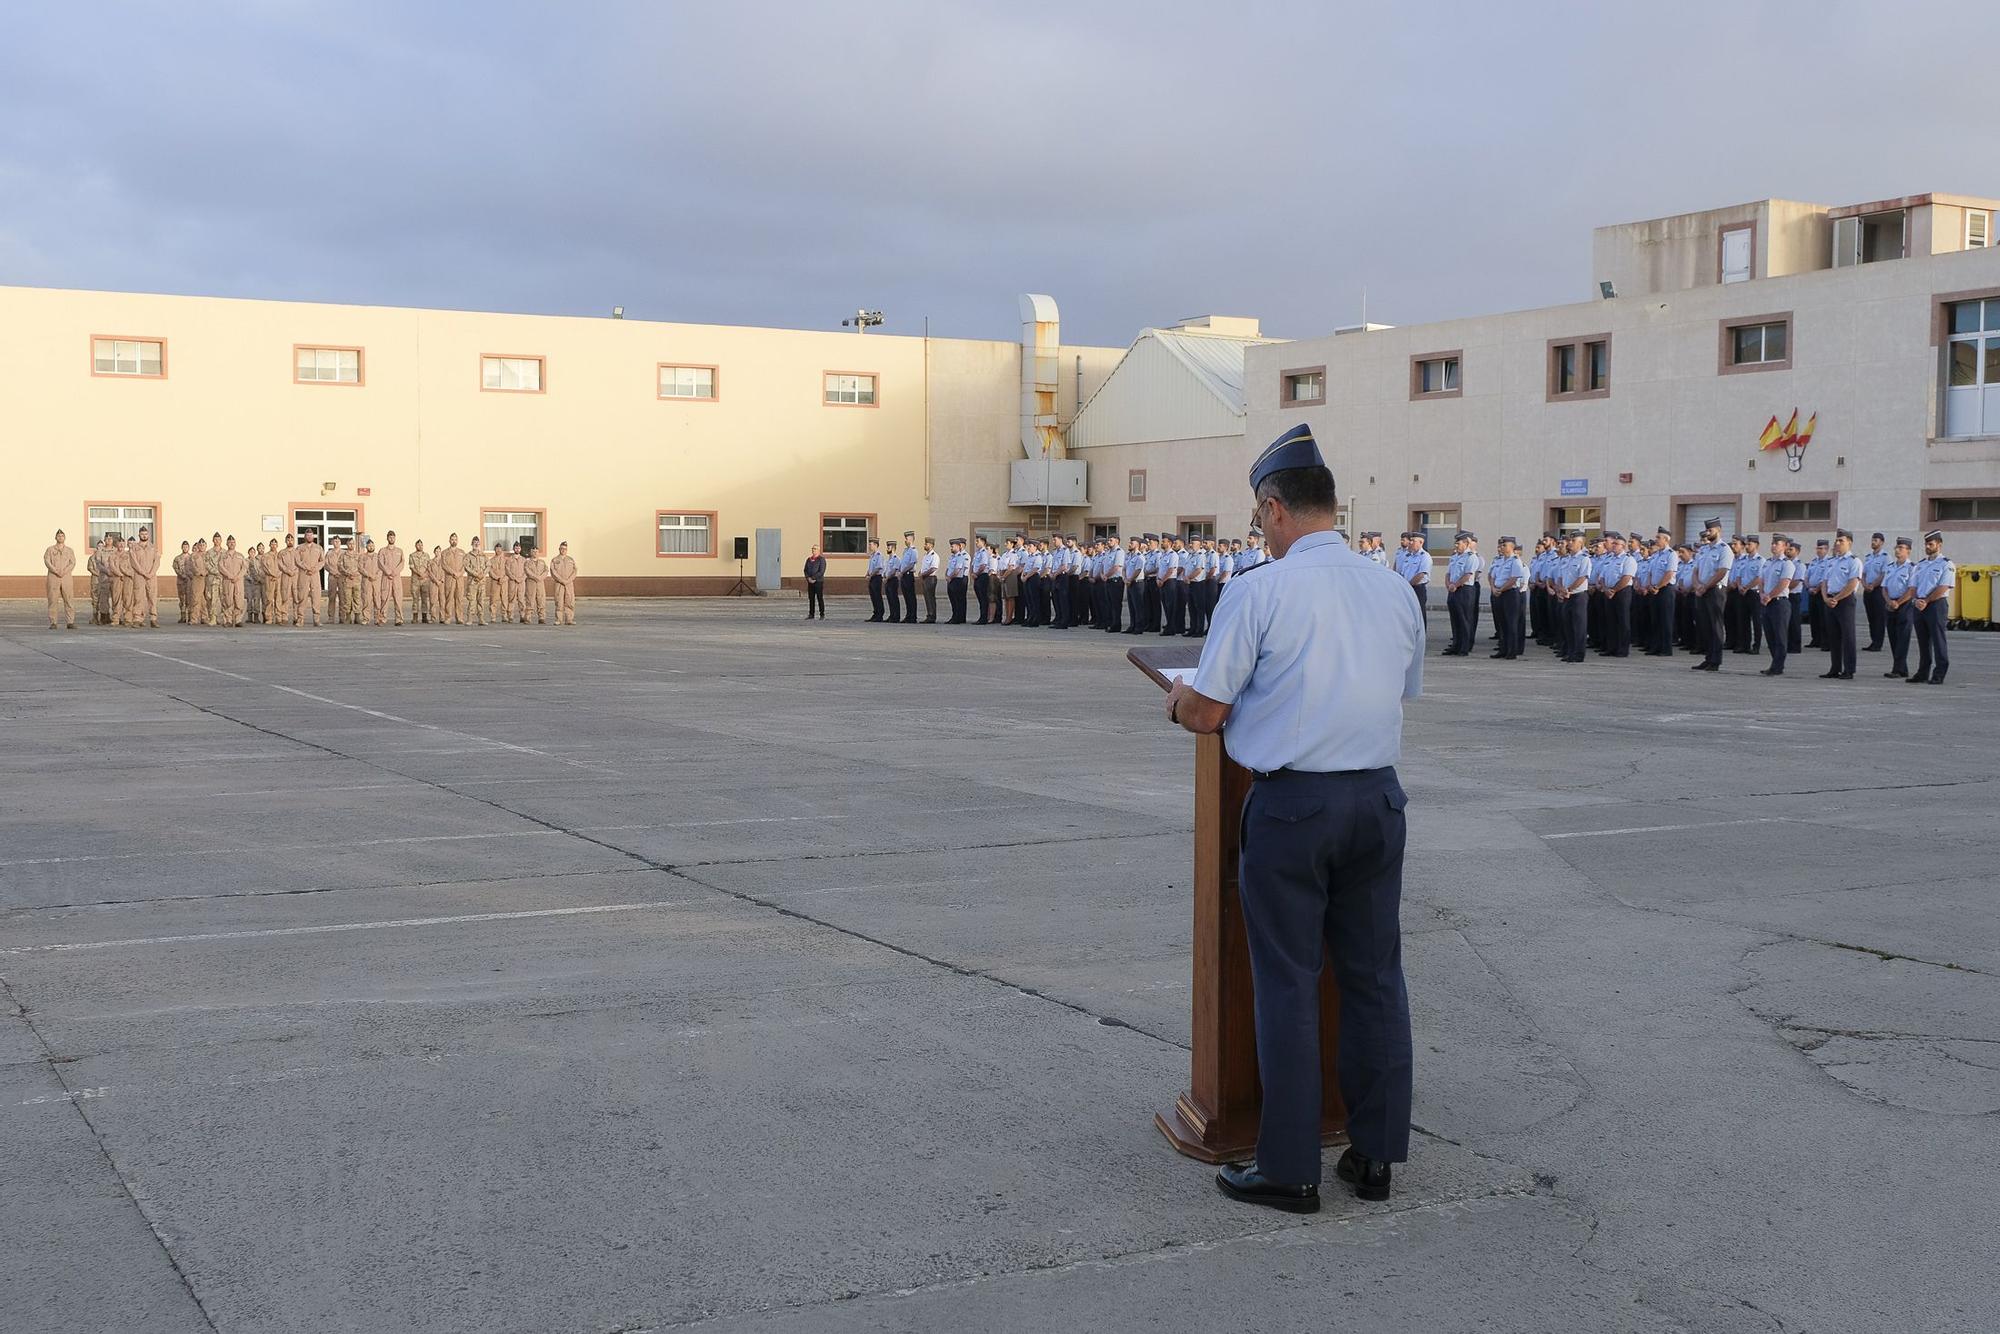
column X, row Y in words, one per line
column 226, row 436
column 1676, row 429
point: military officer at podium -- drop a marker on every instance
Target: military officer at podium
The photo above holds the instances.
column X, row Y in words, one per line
column 1320, row 729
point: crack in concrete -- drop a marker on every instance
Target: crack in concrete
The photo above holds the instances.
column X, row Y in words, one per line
column 74, row 1096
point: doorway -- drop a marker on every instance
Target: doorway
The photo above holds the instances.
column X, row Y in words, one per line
column 325, row 524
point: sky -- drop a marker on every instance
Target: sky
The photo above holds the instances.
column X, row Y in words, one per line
column 786, row 164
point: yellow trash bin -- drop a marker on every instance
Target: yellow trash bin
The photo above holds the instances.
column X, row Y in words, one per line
column 1972, row 600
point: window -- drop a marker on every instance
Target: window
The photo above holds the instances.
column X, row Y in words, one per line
column 1198, row 528
column 1588, row 519
column 1963, row 509
column 1135, row 484
column 1978, row 228
column 1434, row 375
column 845, row 534
column 124, row 520
column 1798, row 510
column 502, row 528
column 1579, row 367
column 1868, row 238
column 697, row 382
column 1736, row 248
column 1755, row 343
column 326, row 365
column 848, row 389
column 140, row 358
column 1972, row 367
column 996, row 534
column 1104, row 532
column 1439, row 527
column 686, row 534
column 1344, row 521
column 512, row 375
column 1303, row 387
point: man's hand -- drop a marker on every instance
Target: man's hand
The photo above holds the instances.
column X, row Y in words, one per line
column 1193, row 711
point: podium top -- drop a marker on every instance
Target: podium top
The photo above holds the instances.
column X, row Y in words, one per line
column 1167, row 663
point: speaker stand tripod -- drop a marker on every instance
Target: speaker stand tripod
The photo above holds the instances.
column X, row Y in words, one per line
column 743, row 588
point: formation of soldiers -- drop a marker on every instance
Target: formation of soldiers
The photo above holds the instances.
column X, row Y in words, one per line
column 355, row 582
column 1148, row 584
column 1580, row 593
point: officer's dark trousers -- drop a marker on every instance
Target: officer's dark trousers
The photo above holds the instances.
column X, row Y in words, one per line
column 1114, row 599
column 1816, row 622
column 982, row 589
column 1031, row 601
column 1135, row 606
column 1082, row 595
column 1664, row 611
column 1840, row 637
column 1902, row 624
column 1777, row 631
column 910, row 598
column 1423, row 592
column 1322, row 883
column 1507, row 623
column 1173, row 606
column 930, row 597
column 1577, row 626
column 875, row 595
column 816, row 598
column 1538, row 625
column 1734, row 638
column 1712, row 606
column 954, row 591
column 1464, row 608
column 1876, row 604
column 1621, row 623
column 1932, row 655
column 1799, row 609
column 1059, row 595
column 894, row 588
column 1153, row 600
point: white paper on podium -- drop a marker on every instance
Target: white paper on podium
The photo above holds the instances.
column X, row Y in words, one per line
column 1179, row 673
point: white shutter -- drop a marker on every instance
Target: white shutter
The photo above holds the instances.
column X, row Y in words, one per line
column 1695, row 516
column 1978, row 228
column 1846, row 242
column 1736, row 256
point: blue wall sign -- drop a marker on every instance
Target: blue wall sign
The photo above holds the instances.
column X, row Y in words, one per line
column 1576, row 486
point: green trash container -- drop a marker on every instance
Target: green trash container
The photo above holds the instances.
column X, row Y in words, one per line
column 1972, row 599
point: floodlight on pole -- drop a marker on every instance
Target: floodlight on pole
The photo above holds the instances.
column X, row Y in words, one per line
column 862, row 320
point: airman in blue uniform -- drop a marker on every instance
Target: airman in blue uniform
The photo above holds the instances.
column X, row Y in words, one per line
column 875, row 566
column 1572, row 590
column 1936, row 580
column 1413, row 562
column 1774, row 602
column 1462, row 595
column 1872, row 602
column 1319, row 726
column 908, row 575
column 892, row 583
column 1899, row 592
column 1506, row 581
column 957, row 573
column 1840, row 585
column 1711, row 569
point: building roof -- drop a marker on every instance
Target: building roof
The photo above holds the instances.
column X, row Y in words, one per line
column 1171, row 384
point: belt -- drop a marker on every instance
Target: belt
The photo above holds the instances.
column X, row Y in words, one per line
column 1272, row 775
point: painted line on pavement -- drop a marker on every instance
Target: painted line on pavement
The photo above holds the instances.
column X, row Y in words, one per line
column 1666, row 828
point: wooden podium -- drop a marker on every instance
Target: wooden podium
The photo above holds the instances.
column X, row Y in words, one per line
column 1215, row 1120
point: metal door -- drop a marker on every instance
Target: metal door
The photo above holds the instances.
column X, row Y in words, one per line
column 770, row 560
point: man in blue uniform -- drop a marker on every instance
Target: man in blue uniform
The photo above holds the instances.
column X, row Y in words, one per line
column 1872, row 602
column 982, row 577
column 909, row 576
column 957, row 571
column 1319, row 726
column 1665, row 595
column 1899, row 592
column 1815, row 603
column 1461, row 579
column 1505, row 581
column 1936, row 579
column 1413, row 562
column 1774, row 602
column 875, row 577
column 1572, row 583
column 1840, row 584
column 892, row 584
column 1711, row 570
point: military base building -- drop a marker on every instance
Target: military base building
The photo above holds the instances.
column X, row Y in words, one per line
column 1784, row 366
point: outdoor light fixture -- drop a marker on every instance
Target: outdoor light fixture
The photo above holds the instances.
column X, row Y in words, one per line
column 618, row 312
column 1606, row 290
column 862, row 320
column 326, row 488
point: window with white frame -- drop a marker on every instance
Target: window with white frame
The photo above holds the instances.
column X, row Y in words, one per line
column 1439, row 527
column 1305, row 386
column 124, row 520
column 503, row 528
column 141, row 357
column 518, row 375
column 327, row 365
column 686, row 535
column 1437, row 375
column 1757, row 344
column 1978, row 228
column 1197, row 529
column 687, row 382
column 1972, row 368
column 845, row 534
column 850, row 389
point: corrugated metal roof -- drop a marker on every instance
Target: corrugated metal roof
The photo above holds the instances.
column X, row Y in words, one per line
column 1168, row 386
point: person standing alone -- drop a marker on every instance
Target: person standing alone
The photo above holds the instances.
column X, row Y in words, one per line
column 1321, row 877
column 815, row 584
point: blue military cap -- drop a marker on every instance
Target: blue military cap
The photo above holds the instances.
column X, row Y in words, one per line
column 1464, row 536
column 1842, row 532
column 1711, row 523
column 1548, row 537
column 1779, row 537
column 1752, row 537
column 1822, row 543
column 1296, row 448
column 1903, row 542
column 1880, row 536
column 1152, row 537
column 1509, row 542
column 1934, row 535
column 1662, row 532
column 1636, row 537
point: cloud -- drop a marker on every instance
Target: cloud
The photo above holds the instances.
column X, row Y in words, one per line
column 786, row 163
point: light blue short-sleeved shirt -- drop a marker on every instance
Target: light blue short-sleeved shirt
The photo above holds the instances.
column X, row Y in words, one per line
column 1712, row 559
column 1936, row 574
column 1777, row 571
column 1872, row 566
column 1315, row 657
column 1838, row 572
column 1898, row 578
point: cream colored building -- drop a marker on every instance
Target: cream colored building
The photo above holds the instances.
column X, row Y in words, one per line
column 1879, row 323
column 647, row 446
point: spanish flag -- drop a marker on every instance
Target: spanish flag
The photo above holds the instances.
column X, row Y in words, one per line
column 1805, row 437
column 1771, row 436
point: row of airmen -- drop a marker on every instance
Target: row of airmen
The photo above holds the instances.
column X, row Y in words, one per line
column 273, row 584
column 1160, row 584
column 1606, row 592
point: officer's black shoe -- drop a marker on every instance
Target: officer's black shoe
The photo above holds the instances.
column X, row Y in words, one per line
column 1937, row 678
column 1892, row 675
column 1242, row 1181
column 1770, row 671
column 1846, row 676
column 1871, row 648
column 1829, row 676
column 1366, row 1177
column 1918, row 681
